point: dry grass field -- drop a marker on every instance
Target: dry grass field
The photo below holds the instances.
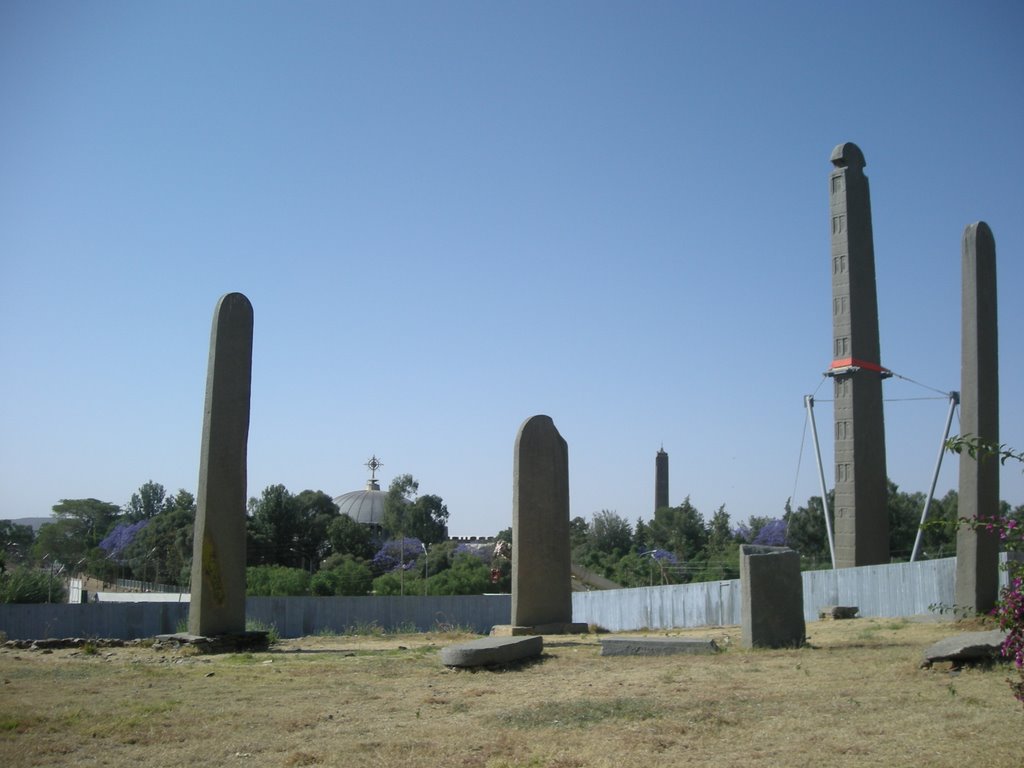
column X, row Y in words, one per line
column 855, row 697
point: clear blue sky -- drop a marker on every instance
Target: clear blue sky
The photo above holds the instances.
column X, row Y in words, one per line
column 452, row 216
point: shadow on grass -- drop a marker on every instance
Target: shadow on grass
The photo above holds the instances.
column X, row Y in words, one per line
column 512, row 666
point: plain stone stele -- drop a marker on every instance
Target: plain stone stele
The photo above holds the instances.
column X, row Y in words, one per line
column 977, row 552
column 217, row 604
column 773, row 597
column 541, row 556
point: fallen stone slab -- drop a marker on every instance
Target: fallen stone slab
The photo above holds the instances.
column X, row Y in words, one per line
column 966, row 648
column 838, row 612
column 488, row 651
column 614, row 645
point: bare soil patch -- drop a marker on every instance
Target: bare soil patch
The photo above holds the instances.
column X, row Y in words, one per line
column 854, row 697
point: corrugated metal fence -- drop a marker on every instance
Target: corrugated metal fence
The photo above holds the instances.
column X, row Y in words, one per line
column 901, row 589
column 292, row 616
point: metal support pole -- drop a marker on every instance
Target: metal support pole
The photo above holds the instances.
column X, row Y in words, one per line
column 954, row 401
column 426, row 567
column 809, row 403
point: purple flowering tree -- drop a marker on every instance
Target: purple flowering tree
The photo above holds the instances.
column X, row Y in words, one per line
column 396, row 554
column 772, row 534
column 662, row 556
column 118, row 540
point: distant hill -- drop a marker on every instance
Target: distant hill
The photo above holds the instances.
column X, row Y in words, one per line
column 35, row 522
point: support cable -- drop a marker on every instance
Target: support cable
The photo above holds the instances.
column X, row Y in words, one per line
column 944, row 394
column 799, row 459
column 803, row 440
column 809, row 403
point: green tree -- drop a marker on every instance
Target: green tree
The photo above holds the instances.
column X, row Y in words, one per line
column 904, row 520
column 720, row 558
column 274, row 528
column 15, row 543
column 424, row 517
column 610, row 533
column 428, row 519
column 73, row 538
column 148, row 502
column 162, row 551
column 641, row 535
column 315, row 512
column 680, row 530
column 399, row 498
column 636, row 570
column 579, row 539
column 347, row 537
column 719, row 533
column 808, row 534
column 938, row 537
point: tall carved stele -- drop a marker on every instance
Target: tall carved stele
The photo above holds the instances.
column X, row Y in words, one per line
column 861, row 514
column 218, row 555
column 541, row 553
column 977, row 552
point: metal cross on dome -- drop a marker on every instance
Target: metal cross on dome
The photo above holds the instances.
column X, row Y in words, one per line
column 374, row 464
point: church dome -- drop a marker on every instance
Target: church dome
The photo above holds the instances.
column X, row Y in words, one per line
column 365, row 507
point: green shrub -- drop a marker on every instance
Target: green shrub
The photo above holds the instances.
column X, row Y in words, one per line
column 354, row 578
column 468, row 576
column 253, row 625
column 276, row 581
column 324, row 583
column 30, row 585
column 346, row 577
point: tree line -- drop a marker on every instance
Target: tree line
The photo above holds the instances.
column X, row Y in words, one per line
column 679, row 545
column 295, row 544
column 301, row 543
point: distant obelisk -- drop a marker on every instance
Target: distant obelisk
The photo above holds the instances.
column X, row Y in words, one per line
column 660, row 479
column 977, row 552
column 861, row 517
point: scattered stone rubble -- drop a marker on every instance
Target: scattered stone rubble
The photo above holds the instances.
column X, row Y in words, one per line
column 52, row 644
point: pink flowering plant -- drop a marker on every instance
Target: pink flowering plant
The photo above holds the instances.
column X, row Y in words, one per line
column 1009, row 610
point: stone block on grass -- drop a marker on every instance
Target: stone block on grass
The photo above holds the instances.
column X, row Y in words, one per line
column 491, row 651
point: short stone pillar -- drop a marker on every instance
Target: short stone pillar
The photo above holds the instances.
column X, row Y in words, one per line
column 773, row 597
column 541, row 553
column 217, row 604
